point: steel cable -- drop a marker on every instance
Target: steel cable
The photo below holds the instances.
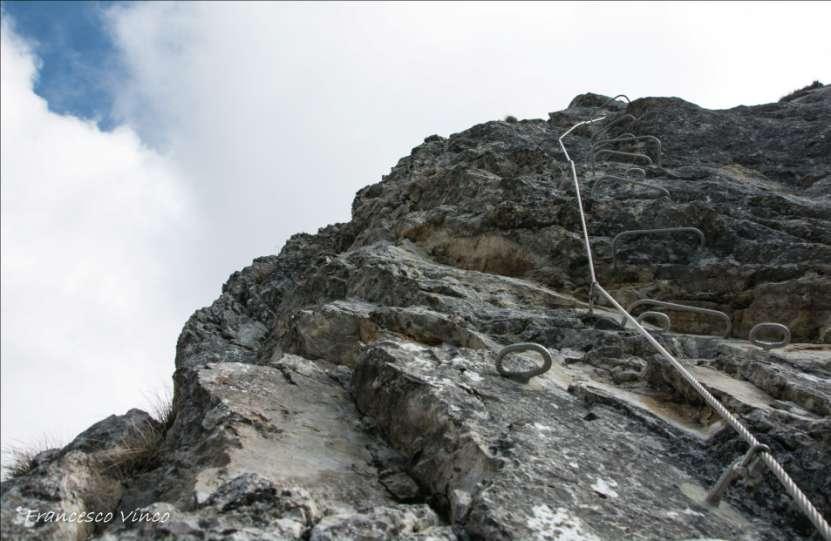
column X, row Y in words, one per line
column 801, row 500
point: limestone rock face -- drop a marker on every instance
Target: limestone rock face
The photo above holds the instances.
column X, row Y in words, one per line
column 347, row 387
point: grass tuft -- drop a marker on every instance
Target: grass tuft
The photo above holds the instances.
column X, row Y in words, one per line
column 138, row 451
column 162, row 410
column 20, row 459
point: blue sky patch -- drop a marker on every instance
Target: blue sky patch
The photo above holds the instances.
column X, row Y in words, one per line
column 78, row 62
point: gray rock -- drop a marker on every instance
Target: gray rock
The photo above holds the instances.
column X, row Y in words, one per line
column 69, row 491
column 411, row 523
column 346, row 388
column 401, row 486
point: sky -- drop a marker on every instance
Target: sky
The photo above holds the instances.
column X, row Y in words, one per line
column 151, row 149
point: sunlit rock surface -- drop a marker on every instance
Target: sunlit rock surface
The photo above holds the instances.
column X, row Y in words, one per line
column 347, row 389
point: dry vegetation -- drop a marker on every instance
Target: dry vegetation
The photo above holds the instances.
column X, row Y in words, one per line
column 21, row 459
column 138, row 450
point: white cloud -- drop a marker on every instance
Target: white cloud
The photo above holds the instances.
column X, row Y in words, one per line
column 279, row 112
column 92, row 224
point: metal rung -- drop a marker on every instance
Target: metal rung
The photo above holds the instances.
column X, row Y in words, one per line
column 613, row 123
column 626, row 137
column 630, row 181
column 524, row 377
column 769, row 326
column 738, row 469
column 622, row 154
column 728, row 325
column 619, row 139
column 665, row 321
column 610, row 100
column 661, row 231
column 631, row 137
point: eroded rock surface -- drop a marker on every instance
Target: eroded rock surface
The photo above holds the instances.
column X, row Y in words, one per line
column 346, row 388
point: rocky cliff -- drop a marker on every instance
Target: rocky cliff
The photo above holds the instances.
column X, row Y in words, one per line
column 347, row 387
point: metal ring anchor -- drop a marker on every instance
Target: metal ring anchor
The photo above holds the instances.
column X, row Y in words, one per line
column 664, row 319
column 728, row 325
column 661, row 231
column 630, row 181
column 740, row 468
column 620, row 153
column 769, row 326
column 630, row 137
column 524, row 377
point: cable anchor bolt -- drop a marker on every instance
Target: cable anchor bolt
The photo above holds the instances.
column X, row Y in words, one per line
column 740, row 468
